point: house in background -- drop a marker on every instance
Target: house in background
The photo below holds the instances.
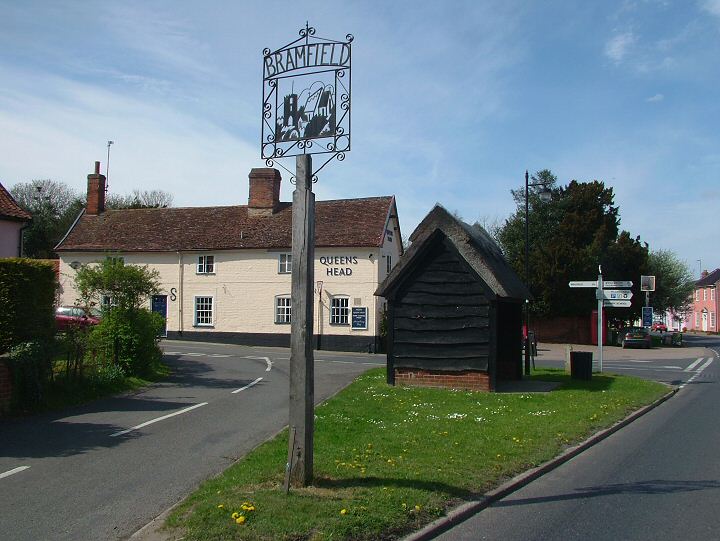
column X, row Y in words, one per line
column 13, row 220
column 225, row 271
column 705, row 303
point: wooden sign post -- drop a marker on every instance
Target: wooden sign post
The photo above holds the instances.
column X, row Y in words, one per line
column 302, row 363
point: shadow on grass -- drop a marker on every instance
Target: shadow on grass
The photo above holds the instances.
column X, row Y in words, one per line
column 656, row 486
column 597, row 383
column 379, row 482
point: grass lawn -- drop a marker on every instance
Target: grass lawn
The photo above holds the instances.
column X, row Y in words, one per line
column 390, row 459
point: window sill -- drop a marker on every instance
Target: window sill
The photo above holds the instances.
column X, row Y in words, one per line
column 204, row 274
column 203, row 326
column 282, row 323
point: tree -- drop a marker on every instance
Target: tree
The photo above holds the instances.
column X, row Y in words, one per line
column 54, row 206
column 129, row 286
column 128, row 333
column 626, row 259
column 674, row 283
column 569, row 237
column 140, row 200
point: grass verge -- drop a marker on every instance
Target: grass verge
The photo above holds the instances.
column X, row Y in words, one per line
column 390, row 459
column 63, row 392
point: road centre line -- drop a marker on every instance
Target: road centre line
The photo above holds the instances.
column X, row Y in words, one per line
column 267, row 360
column 655, row 369
column 694, row 364
column 13, row 471
column 146, row 423
column 247, row 386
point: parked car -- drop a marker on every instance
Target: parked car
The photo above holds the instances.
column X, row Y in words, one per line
column 659, row 326
column 635, row 336
column 67, row 317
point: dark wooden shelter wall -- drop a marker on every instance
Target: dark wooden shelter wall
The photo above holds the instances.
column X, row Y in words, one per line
column 509, row 340
column 441, row 316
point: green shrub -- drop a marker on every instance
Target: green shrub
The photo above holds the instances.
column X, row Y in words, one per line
column 31, row 365
column 128, row 338
column 27, row 295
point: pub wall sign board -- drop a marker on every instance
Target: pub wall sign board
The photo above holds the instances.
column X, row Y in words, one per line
column 306, row 98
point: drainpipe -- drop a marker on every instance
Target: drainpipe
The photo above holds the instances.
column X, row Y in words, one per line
column 180, row 293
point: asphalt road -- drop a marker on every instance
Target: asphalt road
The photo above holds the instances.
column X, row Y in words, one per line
column 657, row 478
column 103, row 470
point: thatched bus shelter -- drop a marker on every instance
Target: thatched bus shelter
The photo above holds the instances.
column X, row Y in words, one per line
column 454, row 309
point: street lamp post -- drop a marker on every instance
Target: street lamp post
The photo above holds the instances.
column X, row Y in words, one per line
column 545, row 197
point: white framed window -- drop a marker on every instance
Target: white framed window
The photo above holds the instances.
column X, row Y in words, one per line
column 116, row 259
column 283, row 309
column 712, row 319
column 389, row 263
column 339, row 311
column 206, row 264
column 712, row 294
column 285, row 264
column 697, row 319
column 204, row 311
column 704, row 293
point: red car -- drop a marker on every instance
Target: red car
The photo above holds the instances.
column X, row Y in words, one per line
column 659, row 326
column 68, row 317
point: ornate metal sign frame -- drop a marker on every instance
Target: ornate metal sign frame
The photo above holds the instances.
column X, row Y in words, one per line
column 306, row 99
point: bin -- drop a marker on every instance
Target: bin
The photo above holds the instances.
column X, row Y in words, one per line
column 581, row 365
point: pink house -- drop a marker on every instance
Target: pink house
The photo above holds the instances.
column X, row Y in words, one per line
column 13, row 220
column 705, row 303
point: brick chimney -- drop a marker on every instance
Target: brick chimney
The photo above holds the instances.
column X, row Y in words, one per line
column 96, row 192
column 264, row 195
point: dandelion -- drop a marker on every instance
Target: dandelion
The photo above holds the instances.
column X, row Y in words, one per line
column 240, row 520
column 235, row 515
column 417, row 508
column 343, row 511
column 221, row 506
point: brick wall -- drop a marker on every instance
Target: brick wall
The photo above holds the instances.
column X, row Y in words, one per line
column 468, row 380
column 566, row 330
column 5, row 386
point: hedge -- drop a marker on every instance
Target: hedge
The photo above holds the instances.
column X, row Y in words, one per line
column 27, row 295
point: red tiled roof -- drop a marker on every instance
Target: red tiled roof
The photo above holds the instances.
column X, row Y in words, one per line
column 343, row 222
column 10, row 209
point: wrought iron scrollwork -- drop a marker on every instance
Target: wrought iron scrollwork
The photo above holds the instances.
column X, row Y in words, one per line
column 306, row 99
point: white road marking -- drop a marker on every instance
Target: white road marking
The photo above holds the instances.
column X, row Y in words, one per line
column 185, row 410
column 658, row 368
column 194, row 354
column 13, row 471
column 172, row 353
column 694, row 364
column 218, row 355
column 699, row 371
column 267, row 360
column 247, row 386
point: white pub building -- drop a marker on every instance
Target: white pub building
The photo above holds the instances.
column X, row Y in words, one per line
column 225, row 271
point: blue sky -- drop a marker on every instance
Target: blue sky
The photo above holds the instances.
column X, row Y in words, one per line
column 452, row 101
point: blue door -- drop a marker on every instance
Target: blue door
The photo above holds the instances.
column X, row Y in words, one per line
column 159, row 305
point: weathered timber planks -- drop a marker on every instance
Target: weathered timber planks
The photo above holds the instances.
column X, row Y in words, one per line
column 449, row 288
column 443, row 363
column 441, row 324
column 443, row 299
column 419, row 311
column 469, row 335
column 438, row 350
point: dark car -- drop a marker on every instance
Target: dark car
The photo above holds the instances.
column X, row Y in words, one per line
column 635, row 336
column 68, row 317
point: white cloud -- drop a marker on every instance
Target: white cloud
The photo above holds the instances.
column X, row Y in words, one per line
column 712, row 7
column 656, row 98
column 617, row 47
